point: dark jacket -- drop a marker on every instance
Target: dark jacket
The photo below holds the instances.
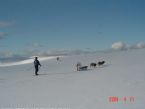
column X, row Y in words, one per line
column 37, row 63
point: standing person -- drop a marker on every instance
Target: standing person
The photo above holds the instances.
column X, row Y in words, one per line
column 78, row 65
column 36, row 65
column 57, row 58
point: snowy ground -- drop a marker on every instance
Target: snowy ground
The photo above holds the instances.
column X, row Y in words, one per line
column 61, row 86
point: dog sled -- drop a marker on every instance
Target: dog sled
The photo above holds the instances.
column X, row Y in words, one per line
column 80, row 67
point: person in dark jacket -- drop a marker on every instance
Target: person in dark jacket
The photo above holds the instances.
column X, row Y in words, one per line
column 36, row 65
column 57, row 58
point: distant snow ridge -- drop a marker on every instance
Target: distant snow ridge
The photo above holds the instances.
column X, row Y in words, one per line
column 27, row 61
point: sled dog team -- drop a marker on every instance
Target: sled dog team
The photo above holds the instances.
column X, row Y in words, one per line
column 80, row 67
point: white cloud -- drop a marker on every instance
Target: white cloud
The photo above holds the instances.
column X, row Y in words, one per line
column 6, row 54
column 6, row 24
column 33, row 49
column 119, row 46
column 122, row 46
column 139, row 45
column 36, row 45
column 3, row 35
column 40, row 52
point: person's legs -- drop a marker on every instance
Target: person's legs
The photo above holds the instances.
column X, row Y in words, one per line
column 36, row 70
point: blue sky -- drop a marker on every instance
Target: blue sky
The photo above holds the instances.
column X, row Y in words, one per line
column 70, row 24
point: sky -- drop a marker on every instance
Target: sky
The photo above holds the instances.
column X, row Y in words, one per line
column 69, row 24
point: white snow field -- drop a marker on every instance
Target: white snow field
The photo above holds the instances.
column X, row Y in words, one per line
column 60, row 86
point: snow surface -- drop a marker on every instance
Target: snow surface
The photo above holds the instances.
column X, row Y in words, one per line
column 61, row 86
